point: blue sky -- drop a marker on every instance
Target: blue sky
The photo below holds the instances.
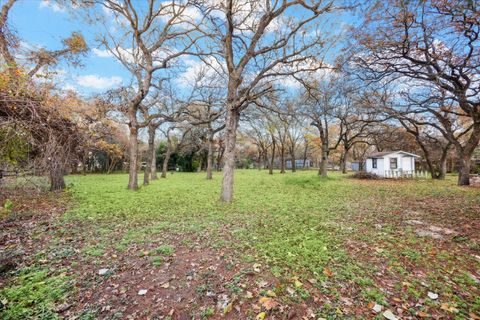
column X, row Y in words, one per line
column 43, row 23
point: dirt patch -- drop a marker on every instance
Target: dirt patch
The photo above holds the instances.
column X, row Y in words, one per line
column 191, row 283
column 22, row 232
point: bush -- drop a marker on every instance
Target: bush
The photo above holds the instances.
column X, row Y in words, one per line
column 366, row 175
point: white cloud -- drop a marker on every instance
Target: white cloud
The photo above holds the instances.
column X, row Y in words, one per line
column 102, row 53
column 69, row 87
column 209, row 68
column 97, row 82
column 51, row 5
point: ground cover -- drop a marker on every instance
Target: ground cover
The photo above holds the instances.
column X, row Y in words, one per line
column 290, row 246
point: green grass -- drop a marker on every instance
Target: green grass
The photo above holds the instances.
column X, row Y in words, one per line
column 34, row 294
column 293, row 224
column 296, row 221
column 286, row 220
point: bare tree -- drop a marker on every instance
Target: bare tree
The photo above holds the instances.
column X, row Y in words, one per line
column 36, row 59
column 431, row 142
column 252, row 54
column 321, row 106
column 168, row 151
column 295, row 133
column 434, row 47
column 354, row 119
column 206, row 109
column 257, row 130
column 149, row 37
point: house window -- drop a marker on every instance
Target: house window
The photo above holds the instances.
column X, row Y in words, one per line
column 393, row 163
column 374, row 163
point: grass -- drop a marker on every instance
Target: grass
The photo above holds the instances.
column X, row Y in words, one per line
column 293, row 225
column 35, row 294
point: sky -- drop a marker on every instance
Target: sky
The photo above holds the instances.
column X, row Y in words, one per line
column 43, row 23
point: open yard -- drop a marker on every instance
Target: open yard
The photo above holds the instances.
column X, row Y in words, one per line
column 292, row 246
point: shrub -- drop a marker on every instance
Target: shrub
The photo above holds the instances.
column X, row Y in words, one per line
column 366, row 175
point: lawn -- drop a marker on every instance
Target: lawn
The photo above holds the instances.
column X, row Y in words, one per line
column 290, row 246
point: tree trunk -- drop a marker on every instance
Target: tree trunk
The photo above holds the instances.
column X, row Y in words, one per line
column 282, row 159
column 344, row 162
column 133, row 149
column 443, row 163
column 294, row 165
column 464, row 171
column 167, row 157
column 430, row 165
column 305, row 154
column 153, row 162
column 150, row 153
column 146, row 172
column 229, row 155
column 259, row 160
column 200, row 164
column 272, row 159
column 153, row 166
column 323, row 163
column 57, row 181
column 210, row 155
column 113, row 163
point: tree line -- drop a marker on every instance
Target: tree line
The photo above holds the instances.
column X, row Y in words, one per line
column 269, row 82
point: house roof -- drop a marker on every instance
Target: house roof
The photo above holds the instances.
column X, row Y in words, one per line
column 385, row 153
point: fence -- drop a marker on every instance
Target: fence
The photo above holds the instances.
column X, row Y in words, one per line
column 406, row 174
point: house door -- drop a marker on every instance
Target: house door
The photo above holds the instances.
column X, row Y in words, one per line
column 406, row 164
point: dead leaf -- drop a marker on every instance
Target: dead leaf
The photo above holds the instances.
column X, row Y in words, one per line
column 422, row 314
column 228, row 308
column 449, row 308
column 328, row 272
column 165, row 285
column 271, row 294
column 474, row 316
column 261, row 316
column 268, row 303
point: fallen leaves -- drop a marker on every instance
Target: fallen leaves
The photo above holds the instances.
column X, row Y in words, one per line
column 228, row 308
column 328, row 272
column 422, row 314
column 271, row 294
column 268, row 303
column 448, row 307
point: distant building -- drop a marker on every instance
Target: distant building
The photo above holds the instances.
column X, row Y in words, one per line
column 298, row 164
column 391, row 163
column 356, row 166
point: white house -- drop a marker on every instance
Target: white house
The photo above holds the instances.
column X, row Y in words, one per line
column 391, row 164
